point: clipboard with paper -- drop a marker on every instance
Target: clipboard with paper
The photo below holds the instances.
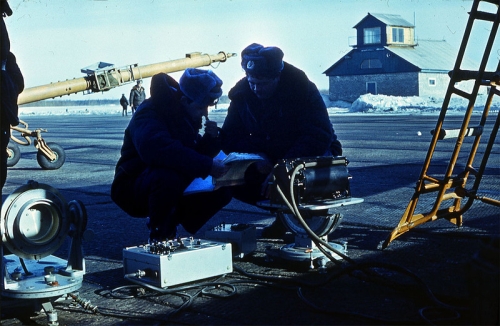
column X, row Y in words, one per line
column 238, row 164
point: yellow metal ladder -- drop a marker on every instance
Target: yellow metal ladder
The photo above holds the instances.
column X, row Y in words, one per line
column 453, row 199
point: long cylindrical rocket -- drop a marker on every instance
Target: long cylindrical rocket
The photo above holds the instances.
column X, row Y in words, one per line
column 106, row 79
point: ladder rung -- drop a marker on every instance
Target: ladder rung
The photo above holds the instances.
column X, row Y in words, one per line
column 495, row 2
column 459, row 75
column 431, row 187
column 435, row 186
column 485, row 16
column 453, row 133
column 490, row 83
column 461, row 93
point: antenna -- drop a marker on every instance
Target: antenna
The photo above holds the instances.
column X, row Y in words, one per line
column 414, row 27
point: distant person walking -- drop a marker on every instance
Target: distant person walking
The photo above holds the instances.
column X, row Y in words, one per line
column 124, row 104
column 137, row 96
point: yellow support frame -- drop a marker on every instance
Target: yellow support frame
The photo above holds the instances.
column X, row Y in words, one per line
column 452, row 187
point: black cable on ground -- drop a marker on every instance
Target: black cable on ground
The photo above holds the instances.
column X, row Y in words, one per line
column 382, row 321
column 283, row 284
column 297, row 285
column 205, row 288
column 363, row 267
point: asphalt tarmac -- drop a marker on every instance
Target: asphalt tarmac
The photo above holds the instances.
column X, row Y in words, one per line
column 433, row 274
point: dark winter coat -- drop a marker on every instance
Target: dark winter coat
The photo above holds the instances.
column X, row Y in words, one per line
column 293, row 123
column 4, row 38
column 12, row 85
column 162, row 135
column 123, row 101
column 137, row 96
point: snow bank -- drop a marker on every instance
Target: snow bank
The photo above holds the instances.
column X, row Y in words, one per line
column 383, row 103
column 368, row 103
column 71, row 110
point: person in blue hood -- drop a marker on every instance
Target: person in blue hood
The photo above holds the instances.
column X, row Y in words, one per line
column 163, row 152
column 277, row 112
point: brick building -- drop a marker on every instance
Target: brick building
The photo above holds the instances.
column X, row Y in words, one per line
column 386, row 59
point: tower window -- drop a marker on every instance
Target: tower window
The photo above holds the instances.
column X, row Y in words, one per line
column 371, row 35
column 398, row 35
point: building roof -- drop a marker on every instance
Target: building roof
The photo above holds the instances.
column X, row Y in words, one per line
column 388, row 19
column 425, row 55
column 431, row 55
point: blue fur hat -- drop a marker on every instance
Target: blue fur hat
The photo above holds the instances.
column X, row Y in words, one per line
column 260, row 61
column 199, row 84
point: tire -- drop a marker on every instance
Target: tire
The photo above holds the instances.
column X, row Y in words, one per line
column 79, row 215
column 47, row 164
column 13, row 154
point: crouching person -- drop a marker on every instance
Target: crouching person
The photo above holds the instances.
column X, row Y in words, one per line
column 163, row 152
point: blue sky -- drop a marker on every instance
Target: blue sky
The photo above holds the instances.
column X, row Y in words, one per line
column 54, row 39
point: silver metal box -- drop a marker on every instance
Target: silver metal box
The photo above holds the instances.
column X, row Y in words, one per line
column 242, row 237
column 176, row 262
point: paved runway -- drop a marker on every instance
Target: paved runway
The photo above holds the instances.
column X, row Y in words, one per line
column 385, row 154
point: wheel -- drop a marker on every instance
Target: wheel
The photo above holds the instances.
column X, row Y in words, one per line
column 78, row 214
column 13, row 154
column 47, row 164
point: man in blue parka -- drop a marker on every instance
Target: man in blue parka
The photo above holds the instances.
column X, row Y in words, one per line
column 163, row 153
column 275, row 111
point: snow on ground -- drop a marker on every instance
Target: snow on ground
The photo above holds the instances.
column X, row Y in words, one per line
column 384, row 104
column 365, row 104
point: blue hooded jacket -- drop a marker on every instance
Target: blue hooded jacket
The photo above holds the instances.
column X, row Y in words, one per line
column 162, row 135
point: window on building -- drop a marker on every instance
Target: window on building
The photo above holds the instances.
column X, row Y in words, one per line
column 432, row 81
column 371, row 88
column 371, row 63
column 371, row 35
column 398, row 35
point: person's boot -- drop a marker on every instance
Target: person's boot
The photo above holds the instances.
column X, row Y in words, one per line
column 277, row 230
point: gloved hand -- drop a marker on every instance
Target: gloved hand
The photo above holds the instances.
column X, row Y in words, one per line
column 218, row 168
column 211, row 128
